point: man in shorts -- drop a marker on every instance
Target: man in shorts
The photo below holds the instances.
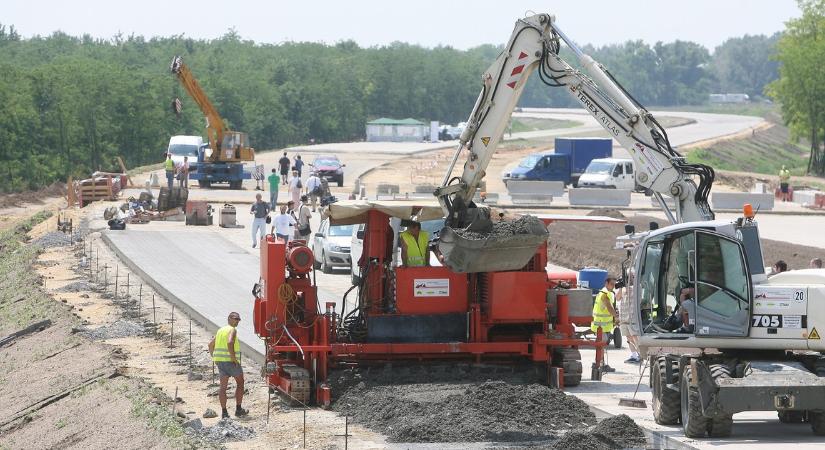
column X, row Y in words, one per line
column 225, row 349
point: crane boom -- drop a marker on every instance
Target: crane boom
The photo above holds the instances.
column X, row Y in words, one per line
column 535, row 44
column 226, row 145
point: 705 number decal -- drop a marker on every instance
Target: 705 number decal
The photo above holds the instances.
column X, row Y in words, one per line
column 767, row 320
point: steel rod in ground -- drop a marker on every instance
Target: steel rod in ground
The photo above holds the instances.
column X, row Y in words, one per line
column 174, row 401
column 190, row 345
column 117, row 276
column 154, row 315
column 140, row 298
column 128, row 287
column 305, row 428
column 172, row 328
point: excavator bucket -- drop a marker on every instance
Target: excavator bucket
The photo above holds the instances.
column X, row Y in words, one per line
column 509, row 245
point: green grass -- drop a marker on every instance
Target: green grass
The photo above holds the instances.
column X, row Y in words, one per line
column 22, row 302
column 744, row 109
column 521, row 124
column 765, row 152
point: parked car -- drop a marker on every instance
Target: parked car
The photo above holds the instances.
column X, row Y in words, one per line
column 329, row 167
column 609, row 173
column 543, row 166
column 331, row 246
column 357, row 244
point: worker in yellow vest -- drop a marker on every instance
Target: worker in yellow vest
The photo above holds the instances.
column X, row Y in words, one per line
column 604, row 312
column 225, row 349
column 415, row 246
column 169, row 165
column 784, row 180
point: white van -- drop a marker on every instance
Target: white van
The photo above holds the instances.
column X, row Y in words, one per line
column 609, row 173
column 180, row 146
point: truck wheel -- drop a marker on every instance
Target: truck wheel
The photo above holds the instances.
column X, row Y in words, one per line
column 570, row 360
column 235, row 184
column 324, row 264
column 694, row 423
column 666, row 402
column 204, row 184
column 817, row 420
column 720, row 426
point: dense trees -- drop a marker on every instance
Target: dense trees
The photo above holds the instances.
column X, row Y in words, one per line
column 70, row 104
column 801, row 84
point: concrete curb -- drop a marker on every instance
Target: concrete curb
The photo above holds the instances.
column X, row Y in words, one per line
column 212, row 327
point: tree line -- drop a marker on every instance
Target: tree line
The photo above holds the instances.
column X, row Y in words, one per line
column 71, row 104
column 800, row 87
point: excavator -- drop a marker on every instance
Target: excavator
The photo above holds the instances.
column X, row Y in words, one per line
column 223, row 160
column 721, row 337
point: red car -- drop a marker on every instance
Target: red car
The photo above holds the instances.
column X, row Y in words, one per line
column 330, row 168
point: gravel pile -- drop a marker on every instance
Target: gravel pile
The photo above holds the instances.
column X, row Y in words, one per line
column 76, row 286
column 227, row 430
column 54, row 239
column 503, row 229
column 489, row 411
column 119, row 329
column 622, row 430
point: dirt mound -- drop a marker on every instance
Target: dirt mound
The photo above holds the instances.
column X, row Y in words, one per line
column 490, row 411
column 19, row 198
column 607, row 212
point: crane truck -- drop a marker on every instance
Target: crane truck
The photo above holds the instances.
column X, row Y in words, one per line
column 746, row 343
column 720, row 335
column 222, row 161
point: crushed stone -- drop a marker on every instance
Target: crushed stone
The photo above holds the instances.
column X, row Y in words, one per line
column 118, row 329
column 505, row 228
column 490, row 411
column 54, row 239
column 607, row 212
column 76, row 286
column 226, row 430
column 622, row 430
column 578, row 440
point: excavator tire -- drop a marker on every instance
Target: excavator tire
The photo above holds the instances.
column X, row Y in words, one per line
column 720, row 426
column 570, row 360
column 694, row 423
column 666, row 402
column 817, row 420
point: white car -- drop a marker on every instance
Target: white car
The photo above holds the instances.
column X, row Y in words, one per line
column 180, row 146
column 331, row 246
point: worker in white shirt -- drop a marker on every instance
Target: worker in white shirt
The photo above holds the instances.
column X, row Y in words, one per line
column 314, row 189
column 283, row 223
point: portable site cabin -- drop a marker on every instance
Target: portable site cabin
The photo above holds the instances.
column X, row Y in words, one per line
column 394, row 130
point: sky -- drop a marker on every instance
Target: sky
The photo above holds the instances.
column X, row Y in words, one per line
column 460, row 24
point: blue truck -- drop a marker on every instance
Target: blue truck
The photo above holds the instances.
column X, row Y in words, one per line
column 566, row 163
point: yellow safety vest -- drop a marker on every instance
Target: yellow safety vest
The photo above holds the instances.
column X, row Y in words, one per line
column 221, row 351
column 170, row 165
column 601, row 315
column 416, row 250
column 784, row 175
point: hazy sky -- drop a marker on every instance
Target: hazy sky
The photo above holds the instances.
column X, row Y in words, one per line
column 458, row 23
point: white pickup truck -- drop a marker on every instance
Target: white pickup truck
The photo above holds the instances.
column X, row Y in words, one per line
column 608, row 173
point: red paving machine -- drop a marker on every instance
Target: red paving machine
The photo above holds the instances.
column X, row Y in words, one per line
column 415, row 313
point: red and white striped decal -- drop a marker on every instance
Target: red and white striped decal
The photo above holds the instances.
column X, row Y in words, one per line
column 516, row 73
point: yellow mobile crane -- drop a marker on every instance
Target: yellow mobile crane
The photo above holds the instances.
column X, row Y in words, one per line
column 222, row 161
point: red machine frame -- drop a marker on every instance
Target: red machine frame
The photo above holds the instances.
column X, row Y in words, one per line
column 299, row 336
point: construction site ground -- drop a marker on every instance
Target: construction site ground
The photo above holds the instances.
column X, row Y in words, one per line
column 147, row 368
